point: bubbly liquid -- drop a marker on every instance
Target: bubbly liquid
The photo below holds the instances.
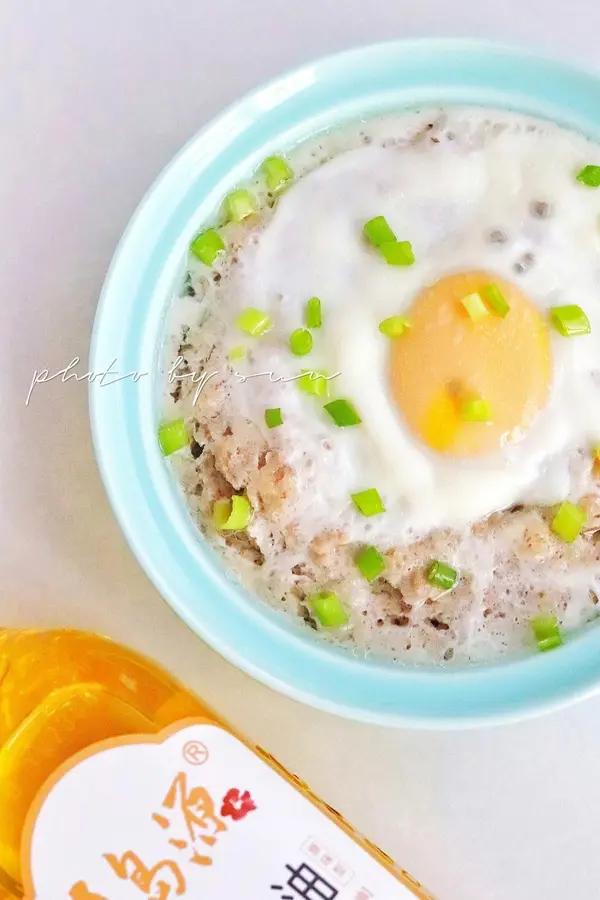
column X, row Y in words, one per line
column 61, row 692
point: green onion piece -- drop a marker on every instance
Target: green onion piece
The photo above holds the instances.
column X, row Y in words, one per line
column 368, row 502
column 273, row 417
column 475, row 307
column 596, row 452
column 546, row 631
column 220, row 513
column 236, row 353
column 475, row 409
column 568, row 521
column 277, row 172
column 495, row 299
column 313, row 313
column 570, row 320
column 301, row 342
column 442, row 576
column 313, row 381
column 328, row 609
column 241, row 514
column 590, row 175
column 239, row 205
column 370, row 562
column 207, row 245
column 254, row 322
column 232, row 515
column 378, row 232
column 394, row 326
column 398, row 253
column 172, row 436
column 343, row 413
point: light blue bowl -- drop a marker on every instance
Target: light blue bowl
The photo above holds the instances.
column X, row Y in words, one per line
column 129, row 326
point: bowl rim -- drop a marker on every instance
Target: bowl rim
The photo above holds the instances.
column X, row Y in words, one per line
column 154, row 520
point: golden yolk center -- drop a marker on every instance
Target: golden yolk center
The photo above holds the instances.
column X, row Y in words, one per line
column 445, row 355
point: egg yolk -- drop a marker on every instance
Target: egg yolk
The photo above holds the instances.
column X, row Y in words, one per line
column 445, row 356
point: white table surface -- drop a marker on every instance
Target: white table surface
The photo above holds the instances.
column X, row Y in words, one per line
column 95, row 97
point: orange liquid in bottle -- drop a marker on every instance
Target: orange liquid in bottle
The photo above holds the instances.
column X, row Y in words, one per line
column 63, row 691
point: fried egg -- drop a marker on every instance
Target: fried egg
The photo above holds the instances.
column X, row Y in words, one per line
column 489, row 204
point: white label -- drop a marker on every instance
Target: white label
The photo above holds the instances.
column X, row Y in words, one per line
column 191, row 815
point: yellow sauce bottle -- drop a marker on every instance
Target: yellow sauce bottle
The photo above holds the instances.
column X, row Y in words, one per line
column 62, row 692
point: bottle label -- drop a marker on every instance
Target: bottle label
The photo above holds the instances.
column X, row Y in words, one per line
column 190, row 813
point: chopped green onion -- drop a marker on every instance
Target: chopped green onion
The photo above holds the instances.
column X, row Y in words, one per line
column 590, row 175
column 378, row 232
column 394, row 326
column 313, row 381
column 368, row 502
column 254, row 322
column 568, row 521
column 495, row 299
column 232, row 515
column 273, row 417
column 239, row 205
column 328, row 609
column 313, row 313
column 370, row 562
column 172, row 436
column 220, row 513
column 546, row 631
column 596, row 452
column 207, row 245
column 475, row 307
column 475, row 409
column 398, row 253
column 237, row 353
column 277, row 172
column 570, row 320
column 343, row 413
column 442, row 576
column 301, row 342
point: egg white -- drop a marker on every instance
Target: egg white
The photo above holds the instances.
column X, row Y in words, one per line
column 445, row 197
